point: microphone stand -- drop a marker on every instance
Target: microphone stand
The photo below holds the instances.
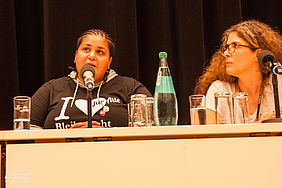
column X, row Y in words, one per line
column 89, row 107
column 276, row 98
column 87, row 73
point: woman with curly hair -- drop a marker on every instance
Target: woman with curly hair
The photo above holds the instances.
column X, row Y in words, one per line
column 235, row 68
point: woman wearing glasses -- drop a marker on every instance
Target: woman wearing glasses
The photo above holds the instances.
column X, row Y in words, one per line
column 235, row 68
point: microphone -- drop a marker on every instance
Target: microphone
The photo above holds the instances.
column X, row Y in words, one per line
column 87, row 72
column 267, row 59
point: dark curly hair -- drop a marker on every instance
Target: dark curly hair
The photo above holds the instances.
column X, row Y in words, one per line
column 257, row 35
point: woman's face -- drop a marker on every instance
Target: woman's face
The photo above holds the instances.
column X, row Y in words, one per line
column 93, row 50
column 241, row 60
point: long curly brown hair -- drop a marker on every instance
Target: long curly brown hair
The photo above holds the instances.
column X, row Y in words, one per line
column 257, row 35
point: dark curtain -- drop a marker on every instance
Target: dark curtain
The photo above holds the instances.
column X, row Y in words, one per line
column 38, row 39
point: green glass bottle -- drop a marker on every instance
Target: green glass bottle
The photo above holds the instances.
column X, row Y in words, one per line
column 165, row 101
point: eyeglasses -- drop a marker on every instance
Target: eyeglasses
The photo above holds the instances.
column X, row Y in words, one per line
column 233, row 46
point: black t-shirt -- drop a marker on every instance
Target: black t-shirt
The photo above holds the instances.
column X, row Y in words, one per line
column 51, row 104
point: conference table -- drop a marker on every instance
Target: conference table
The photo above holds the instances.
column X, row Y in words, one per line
column 198, row 156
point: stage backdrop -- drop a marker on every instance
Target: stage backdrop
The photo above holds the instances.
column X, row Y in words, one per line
column 38, row 39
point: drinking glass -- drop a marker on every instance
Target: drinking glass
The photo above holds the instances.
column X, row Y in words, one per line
column 149, row 111
column 223, row 107
column 197, row 109
column 129, row 115
column 22, row 112
column 138, row 110
column 240, row 108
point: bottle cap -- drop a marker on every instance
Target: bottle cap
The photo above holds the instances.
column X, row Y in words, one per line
column 162, row 55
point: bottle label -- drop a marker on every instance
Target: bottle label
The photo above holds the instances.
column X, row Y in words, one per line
column 164, row 84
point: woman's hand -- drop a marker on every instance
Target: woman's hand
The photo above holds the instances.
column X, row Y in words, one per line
column 95, row 124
